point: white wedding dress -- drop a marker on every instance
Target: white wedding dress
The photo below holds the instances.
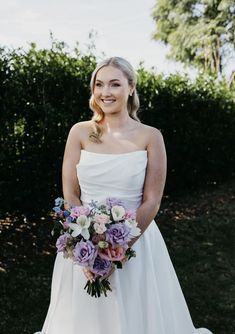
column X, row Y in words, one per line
column 146, row 296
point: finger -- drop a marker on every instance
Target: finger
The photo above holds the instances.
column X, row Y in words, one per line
column 89, row 275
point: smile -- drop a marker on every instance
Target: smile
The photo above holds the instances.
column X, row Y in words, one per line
column 107, row 101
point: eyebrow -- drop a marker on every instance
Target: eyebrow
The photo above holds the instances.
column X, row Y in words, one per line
column 109, row 80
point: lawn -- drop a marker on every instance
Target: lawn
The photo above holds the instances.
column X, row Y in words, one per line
column 199, row 230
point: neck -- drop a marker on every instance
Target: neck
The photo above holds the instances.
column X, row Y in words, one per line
column 116, row 122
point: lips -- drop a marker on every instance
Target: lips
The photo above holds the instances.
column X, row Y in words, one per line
column 105, row 101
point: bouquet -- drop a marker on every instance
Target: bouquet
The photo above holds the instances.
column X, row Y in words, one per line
column 96, row 236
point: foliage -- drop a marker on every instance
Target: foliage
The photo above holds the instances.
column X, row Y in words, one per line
column 197, row 121
column 199, row 32
column 44, row 92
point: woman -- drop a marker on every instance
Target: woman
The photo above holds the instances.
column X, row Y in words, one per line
column 115, row 155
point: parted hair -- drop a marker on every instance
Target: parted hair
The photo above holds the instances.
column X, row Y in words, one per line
column 133, row 100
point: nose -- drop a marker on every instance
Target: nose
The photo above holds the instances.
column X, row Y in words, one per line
column 106, row 91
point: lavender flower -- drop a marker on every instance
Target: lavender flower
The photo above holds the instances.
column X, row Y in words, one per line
column 62, row 242
column 101, row 266
column 85, row 253
column 78, row 211
column 118, row 234
column 112, row 201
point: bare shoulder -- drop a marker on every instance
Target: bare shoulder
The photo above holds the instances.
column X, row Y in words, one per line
column 153, row 136
column 151, row 130
column 81, row 126
column 80, row 129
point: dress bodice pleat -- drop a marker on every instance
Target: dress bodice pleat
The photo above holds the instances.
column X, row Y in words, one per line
column 112, row 175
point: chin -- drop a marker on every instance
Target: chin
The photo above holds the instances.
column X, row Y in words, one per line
column 109, row 111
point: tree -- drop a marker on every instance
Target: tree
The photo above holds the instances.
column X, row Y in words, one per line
column 199, row 32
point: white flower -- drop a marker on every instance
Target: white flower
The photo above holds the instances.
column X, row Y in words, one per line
column 132, row 224
column 118, row 212
column 81, row 227
column 100, row 228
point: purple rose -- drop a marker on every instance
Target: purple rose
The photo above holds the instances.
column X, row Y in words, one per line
column 62, row 242
column 85, row 253
column 101, row 266
column 118, row 234
column 111, row 201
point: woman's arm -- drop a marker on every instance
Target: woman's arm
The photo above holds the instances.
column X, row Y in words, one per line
column 70, row 184
column 71, row 188
column 154, row 182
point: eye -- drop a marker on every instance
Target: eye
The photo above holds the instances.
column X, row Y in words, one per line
column 116, row 85
column 97, row 84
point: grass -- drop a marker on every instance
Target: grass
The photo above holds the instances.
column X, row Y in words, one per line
column 198, row 228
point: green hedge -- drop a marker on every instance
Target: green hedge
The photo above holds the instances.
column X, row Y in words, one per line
column 44, row 92
column 197, row 120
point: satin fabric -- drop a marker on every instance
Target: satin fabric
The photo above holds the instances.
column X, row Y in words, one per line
column 146, row 297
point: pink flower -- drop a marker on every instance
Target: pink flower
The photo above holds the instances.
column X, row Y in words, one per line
column 112, row 254
column 66, row 224
column 77, row 211
column 100, row 228
column 130, row 214
column 101, row 218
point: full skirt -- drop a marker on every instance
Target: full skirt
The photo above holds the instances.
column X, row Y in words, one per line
column 146, row 296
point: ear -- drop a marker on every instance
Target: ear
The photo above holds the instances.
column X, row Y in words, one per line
column 132, row 90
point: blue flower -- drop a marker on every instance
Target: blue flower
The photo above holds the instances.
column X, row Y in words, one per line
column 57, row 209
column 66, row 213
column 59, row 201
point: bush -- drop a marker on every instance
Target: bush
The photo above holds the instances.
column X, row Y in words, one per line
column 44, row 92
column 197, row 120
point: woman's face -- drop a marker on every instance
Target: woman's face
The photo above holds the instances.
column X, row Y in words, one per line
column 111, row 90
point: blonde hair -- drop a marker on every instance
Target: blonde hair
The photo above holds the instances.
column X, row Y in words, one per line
column 133, row 100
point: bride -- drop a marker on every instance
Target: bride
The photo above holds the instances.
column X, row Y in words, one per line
column 115, row 155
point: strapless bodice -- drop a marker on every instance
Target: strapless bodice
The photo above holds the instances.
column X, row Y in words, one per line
column 103, row 175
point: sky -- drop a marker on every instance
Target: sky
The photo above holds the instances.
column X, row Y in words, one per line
column 122, row 28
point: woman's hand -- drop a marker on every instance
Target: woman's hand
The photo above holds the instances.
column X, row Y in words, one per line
column 89, row 275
